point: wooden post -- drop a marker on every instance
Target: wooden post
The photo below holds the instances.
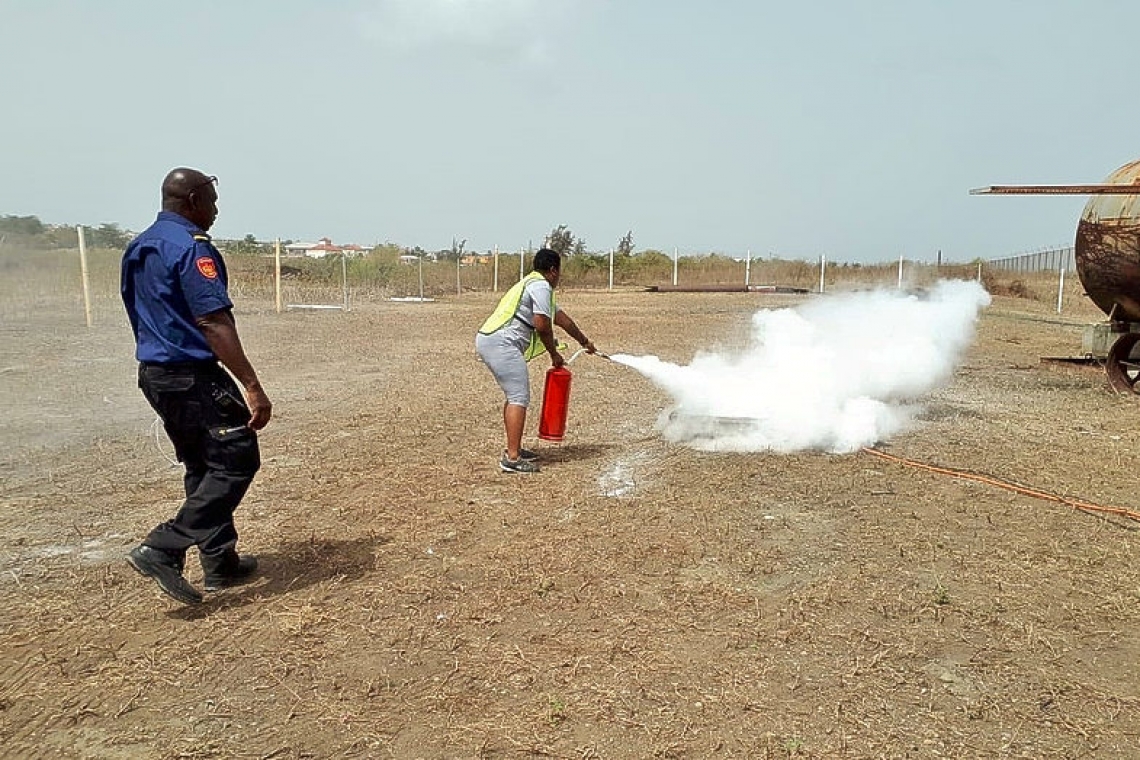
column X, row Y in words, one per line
column 344, row 276
column 83, row 272
column 277, row 272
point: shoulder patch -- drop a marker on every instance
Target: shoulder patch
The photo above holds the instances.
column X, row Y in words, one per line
column 207, row 267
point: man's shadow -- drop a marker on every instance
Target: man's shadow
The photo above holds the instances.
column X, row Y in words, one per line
column 291, row 567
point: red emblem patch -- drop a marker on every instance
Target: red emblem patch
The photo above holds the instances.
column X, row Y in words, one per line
column 207, row 267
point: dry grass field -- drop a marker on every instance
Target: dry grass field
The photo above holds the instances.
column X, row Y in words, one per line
column 635, row 600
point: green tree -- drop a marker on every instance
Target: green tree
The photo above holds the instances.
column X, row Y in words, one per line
column 389, row 252
column 562, row 240
column 455, row 252
column 625, row 245
column 29, row 226
column 583, row 264
column 62, row 236
column 108, row 235
column 248, row 245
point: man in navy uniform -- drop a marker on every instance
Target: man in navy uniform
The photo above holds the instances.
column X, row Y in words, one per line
column 174, row 289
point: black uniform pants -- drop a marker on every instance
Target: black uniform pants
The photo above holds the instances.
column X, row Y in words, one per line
column 205, row 416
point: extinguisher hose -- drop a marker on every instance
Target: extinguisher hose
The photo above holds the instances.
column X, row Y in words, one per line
column 581, row 351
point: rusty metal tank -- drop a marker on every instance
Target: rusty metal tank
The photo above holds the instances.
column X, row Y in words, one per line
column 1108, row 248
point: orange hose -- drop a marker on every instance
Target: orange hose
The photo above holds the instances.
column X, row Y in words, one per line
column 1083, row 506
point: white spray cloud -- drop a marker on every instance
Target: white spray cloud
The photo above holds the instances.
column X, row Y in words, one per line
column 491, row 28
column 835, row 374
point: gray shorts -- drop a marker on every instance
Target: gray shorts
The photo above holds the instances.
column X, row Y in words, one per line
column 507, row 365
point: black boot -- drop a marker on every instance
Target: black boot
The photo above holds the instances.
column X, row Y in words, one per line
column 227, row 569
column 166, row 569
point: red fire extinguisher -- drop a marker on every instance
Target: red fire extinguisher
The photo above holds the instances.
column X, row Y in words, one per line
column 555, row 404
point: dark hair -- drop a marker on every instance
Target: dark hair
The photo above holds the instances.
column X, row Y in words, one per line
column 547, row 259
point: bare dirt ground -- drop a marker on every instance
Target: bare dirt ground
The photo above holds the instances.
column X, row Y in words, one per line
column 638, row 599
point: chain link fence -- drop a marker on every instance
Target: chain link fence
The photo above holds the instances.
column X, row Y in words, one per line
column 1047, row 260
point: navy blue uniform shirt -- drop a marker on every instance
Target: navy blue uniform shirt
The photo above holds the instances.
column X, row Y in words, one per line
column 172, row 274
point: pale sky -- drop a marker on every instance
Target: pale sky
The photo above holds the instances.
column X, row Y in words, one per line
column 852, row 129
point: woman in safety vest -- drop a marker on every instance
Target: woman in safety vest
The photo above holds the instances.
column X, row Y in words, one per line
column 521, row 328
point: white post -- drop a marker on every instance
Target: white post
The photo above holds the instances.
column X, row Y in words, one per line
column 822, row 268
column 748, row 269
column 611, row 269
column 979, row 271
column 277, row 272
column 1060, row 290
column 674, row 265
column 495, row 276
column 421, row 260
column 900, row 271
column 83, row 272
column 458, row 281
column 344, row 276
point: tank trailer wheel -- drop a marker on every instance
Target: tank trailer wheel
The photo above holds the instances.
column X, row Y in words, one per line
column 1121, row 366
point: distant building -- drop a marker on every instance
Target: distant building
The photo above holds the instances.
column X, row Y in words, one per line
column 412, row 255
column 324, row 247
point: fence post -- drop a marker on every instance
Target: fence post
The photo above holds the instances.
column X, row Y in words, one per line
column 83, row 273
column 277, row 273
column 900, row 272
column 822, row 267
column 495, row 276
column 674, row 265
column 1060, row 289
column 611, row 269
column 748, row 268
column 344, row 276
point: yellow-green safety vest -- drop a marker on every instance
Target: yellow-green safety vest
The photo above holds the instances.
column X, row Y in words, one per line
column 509, row 306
